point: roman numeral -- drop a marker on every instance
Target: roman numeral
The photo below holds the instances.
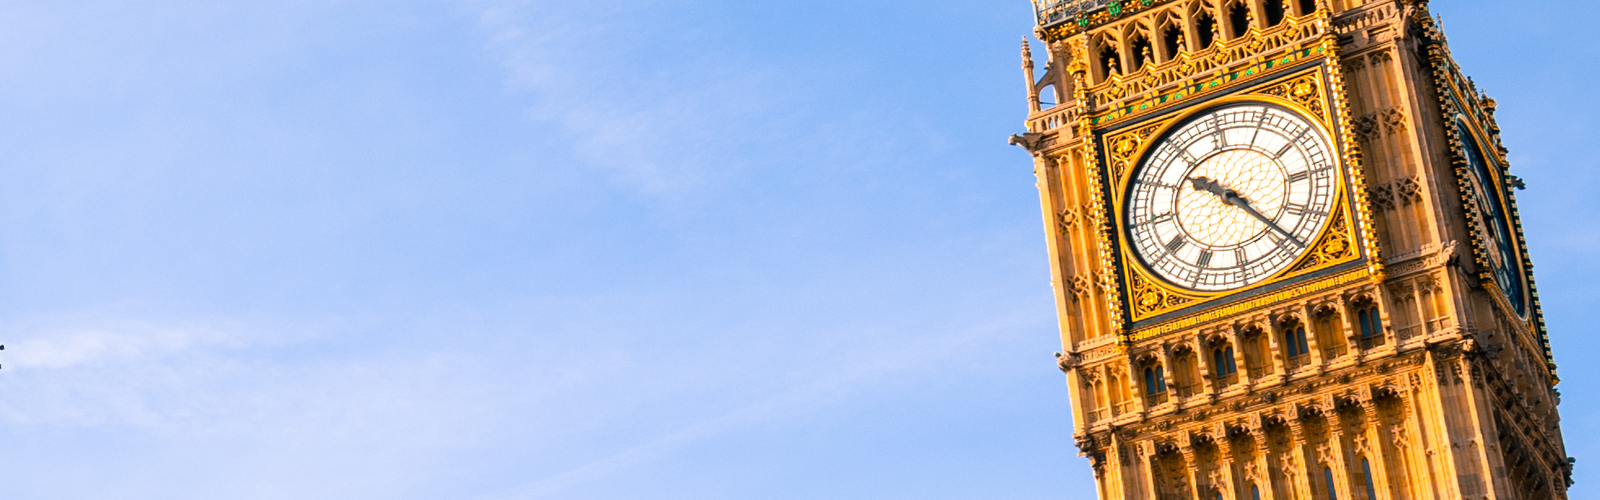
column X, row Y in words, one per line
column 1176, row 244
column 1299, row 176
column 1205, row 259
column 1260, row 124
column 1286, row 148
column 1161, row 218
column 1298, row 210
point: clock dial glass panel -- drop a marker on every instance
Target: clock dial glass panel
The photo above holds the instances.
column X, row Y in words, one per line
column 1495, row 230
column 1231, row 197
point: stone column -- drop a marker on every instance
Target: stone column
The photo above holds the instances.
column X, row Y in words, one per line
column 1168, row 374
column 1236, row 335
column 1147, row 460
column 1413, row 443
column 1335, row 455
column 1275, row 351
column 1308, row 319
column 1351, row 334
column 1140, row 393
column 1380, row 301
column 1370, row 445
column 1263, row 464
column 1223, row 477
column 1203, row 360
column 1192, row 459
column 1295, row 468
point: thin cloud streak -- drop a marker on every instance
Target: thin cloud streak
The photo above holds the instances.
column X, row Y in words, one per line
column 657, row 132
column 837, row 385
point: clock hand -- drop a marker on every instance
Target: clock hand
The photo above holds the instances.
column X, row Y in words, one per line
column 1232, row 197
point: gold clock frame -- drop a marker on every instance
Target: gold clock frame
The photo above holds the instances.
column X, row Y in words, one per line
column 1304, row 92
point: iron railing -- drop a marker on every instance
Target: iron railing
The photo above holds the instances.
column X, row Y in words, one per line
column 1050, row 12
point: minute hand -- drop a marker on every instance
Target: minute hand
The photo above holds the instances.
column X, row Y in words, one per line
column 1232, row 197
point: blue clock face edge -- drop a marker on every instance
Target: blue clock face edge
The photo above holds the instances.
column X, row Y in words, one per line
column 1490, row 202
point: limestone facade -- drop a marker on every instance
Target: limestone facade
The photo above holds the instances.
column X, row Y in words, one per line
column 1389, row 366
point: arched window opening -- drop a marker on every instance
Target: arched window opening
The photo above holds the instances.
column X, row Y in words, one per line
column 1239, row 19
column 1255, row 492
column 1330, row 334
column 1257, row 352
column 1366, row 471
column 1188, row 373
column 1370, row 324
column 1327, row 476
column 1110, row 62
column 1121, row 401
column 1223, row 365
column 1433, row 307
column 1095, row 402
column 1206, row 27
column 1308, row 6
column 1172, row 39
column 1155, row 385
column 1275, row 10
column 1142, row 54
column 1296, row 351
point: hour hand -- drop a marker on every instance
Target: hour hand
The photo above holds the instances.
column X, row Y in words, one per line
column 1228, row 196
column 1232, row 197
column 1208, row 185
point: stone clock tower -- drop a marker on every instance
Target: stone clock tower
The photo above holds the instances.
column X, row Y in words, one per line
column 1287, row 257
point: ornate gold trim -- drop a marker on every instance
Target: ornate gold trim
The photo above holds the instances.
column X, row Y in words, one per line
column 1231, row 310
column 1304, row 92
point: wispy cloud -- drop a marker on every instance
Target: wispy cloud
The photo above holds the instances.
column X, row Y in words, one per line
column 662, row 132
column 826, row 386
column 116, row 342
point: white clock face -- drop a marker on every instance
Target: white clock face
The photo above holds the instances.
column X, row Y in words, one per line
column 1231, row 197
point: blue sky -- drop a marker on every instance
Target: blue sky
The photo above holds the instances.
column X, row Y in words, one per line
column 497, row 249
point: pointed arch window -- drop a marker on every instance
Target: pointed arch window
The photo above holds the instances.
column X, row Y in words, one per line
column 1370, row 324
column 1206, row 27
column 1239, row 18
column 1143, row 53
column 1327, row 476
column 1275, row 10
column 1172, row 38
column 1110, row 62
column 1223, row 365
column 1295, row 348
column 1366, row 471
column 1155, row 380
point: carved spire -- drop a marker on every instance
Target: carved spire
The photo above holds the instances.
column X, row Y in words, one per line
column 1027, row 71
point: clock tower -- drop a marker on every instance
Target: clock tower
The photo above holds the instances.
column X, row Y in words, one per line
column 1286, row 254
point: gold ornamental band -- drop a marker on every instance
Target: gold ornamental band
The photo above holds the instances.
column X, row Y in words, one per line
column 1262, row 301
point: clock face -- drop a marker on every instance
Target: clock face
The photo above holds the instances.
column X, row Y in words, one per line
column 1495, row 231
column 1231, row 197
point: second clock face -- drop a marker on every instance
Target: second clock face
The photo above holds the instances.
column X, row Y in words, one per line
column 1495, row 229
column 1231, row 197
